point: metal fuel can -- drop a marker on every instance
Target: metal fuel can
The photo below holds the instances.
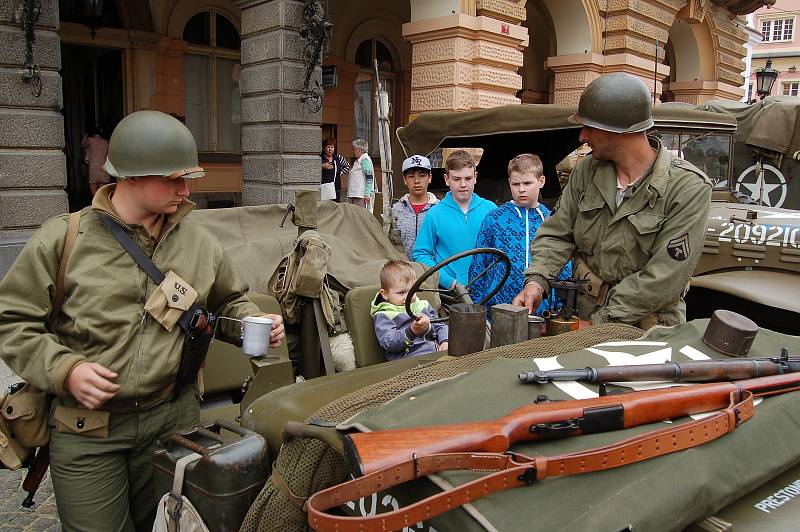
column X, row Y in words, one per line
column 225, row 481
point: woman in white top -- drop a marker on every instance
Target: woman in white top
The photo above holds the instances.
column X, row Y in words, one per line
column 362, row 176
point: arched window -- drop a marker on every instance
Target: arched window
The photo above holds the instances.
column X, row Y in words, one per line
column 211, row 98
column 366, row 114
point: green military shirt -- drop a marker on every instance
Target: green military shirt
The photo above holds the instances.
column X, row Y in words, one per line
column 103, row 318
column 644, row 250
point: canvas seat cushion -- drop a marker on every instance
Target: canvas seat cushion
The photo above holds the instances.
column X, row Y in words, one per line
column 357, row 313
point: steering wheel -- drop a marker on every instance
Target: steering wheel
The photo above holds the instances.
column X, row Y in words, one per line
column 459, row 290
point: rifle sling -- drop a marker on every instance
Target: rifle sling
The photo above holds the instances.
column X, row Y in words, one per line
column 510, row 470
column 144, row 262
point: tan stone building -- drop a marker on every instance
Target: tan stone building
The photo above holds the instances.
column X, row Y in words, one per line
column 235, row 71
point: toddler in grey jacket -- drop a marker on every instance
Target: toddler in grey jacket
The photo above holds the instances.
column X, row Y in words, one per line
column 397, row 333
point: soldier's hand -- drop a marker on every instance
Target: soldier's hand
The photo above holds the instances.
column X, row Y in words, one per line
column 421, row 325
column 530, row 297
column 443, row 346
column 278, row 332
column 91, row 384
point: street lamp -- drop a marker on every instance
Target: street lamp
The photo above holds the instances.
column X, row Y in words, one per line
column 765, row 79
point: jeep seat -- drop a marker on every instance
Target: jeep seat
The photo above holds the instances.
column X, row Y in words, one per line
column 359, row 322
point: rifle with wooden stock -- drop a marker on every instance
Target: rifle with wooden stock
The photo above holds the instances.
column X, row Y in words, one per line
column 36, row 472
column 371, row 451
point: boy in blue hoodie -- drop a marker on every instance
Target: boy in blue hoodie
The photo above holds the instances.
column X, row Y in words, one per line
column 452, row 225
column 397, row 333
column 511, row 228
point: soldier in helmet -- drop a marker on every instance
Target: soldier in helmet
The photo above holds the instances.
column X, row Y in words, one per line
column 109, row 357
column 632, row 216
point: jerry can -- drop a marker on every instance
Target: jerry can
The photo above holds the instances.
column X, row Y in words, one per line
column 225, row 481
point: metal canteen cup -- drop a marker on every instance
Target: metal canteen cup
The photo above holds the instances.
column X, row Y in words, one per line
column 255, row 331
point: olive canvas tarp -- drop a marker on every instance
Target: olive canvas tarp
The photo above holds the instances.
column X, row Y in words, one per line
column 255, row 242
column 769, row 127
column 506, row 131
column 664, row 493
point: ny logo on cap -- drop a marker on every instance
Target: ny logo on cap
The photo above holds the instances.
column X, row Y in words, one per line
column 416, row 160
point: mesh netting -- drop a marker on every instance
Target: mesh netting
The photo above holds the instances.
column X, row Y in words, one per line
column 309, row 465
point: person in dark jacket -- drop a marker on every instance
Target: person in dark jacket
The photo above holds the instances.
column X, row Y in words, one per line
column 334, row 166
column 397, row 333
column 409, row 211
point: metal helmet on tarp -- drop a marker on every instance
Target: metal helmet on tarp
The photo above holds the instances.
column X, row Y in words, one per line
column 618, row 102
column 152, row 143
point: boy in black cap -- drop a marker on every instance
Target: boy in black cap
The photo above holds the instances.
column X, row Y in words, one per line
column 409, row 211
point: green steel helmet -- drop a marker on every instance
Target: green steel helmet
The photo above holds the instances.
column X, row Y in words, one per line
column 152, row 143
column 618, row 102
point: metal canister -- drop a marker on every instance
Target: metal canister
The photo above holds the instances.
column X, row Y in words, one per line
column 535, row 326
column 467, row 329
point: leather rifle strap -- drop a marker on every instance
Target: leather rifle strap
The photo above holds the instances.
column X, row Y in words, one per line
column 510, row 470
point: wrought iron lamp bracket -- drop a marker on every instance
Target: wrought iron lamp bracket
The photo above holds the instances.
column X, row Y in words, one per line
column 31, row 11
column 315, row 32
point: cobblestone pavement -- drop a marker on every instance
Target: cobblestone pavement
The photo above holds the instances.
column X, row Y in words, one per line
column 14, row 518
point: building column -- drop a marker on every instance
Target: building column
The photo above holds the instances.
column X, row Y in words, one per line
column 281, row 136
column 33, row 170
column 464, row 61
column 572, row 73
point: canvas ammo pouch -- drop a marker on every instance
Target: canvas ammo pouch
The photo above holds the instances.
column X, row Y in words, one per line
column 170, row 300
column 81, row 421
column 23, row 423
column 303, row 273
column 594, row 286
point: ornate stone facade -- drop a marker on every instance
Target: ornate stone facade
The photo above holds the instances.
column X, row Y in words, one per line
column 467, row 62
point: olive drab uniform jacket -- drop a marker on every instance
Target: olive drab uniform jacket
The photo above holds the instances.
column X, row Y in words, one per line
column 102, row 319
column 639, row 256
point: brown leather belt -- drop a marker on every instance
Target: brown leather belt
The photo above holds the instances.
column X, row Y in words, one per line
column 510, row 470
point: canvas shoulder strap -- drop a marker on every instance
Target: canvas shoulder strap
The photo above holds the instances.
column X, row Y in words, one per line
column 69, row 243
column 144, row 262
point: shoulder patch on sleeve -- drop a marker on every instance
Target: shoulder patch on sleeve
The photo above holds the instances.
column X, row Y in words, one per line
column 678, row 247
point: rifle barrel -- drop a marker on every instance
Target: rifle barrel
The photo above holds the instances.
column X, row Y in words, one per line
column 695, row 371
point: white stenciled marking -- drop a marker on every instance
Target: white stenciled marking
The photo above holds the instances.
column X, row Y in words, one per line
column 620, row 358
column 574, row 389
column 694, row 354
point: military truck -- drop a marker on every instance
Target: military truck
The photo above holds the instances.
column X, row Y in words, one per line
column 298, row 382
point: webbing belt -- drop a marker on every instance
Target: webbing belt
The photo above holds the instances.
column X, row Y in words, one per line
column 510, row 470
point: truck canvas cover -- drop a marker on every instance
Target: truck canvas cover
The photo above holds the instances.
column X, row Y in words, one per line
column 665, row 493
column 255, row 241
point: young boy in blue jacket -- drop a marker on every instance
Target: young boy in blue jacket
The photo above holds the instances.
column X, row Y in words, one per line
column 397, row 333
column 452, row 225
column 511, row 228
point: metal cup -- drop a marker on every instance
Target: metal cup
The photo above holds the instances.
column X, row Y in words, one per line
column 255, row 335
column 535, row 324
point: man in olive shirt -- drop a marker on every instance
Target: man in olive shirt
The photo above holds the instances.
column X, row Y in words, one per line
column 107, row 357
column 632, row 216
